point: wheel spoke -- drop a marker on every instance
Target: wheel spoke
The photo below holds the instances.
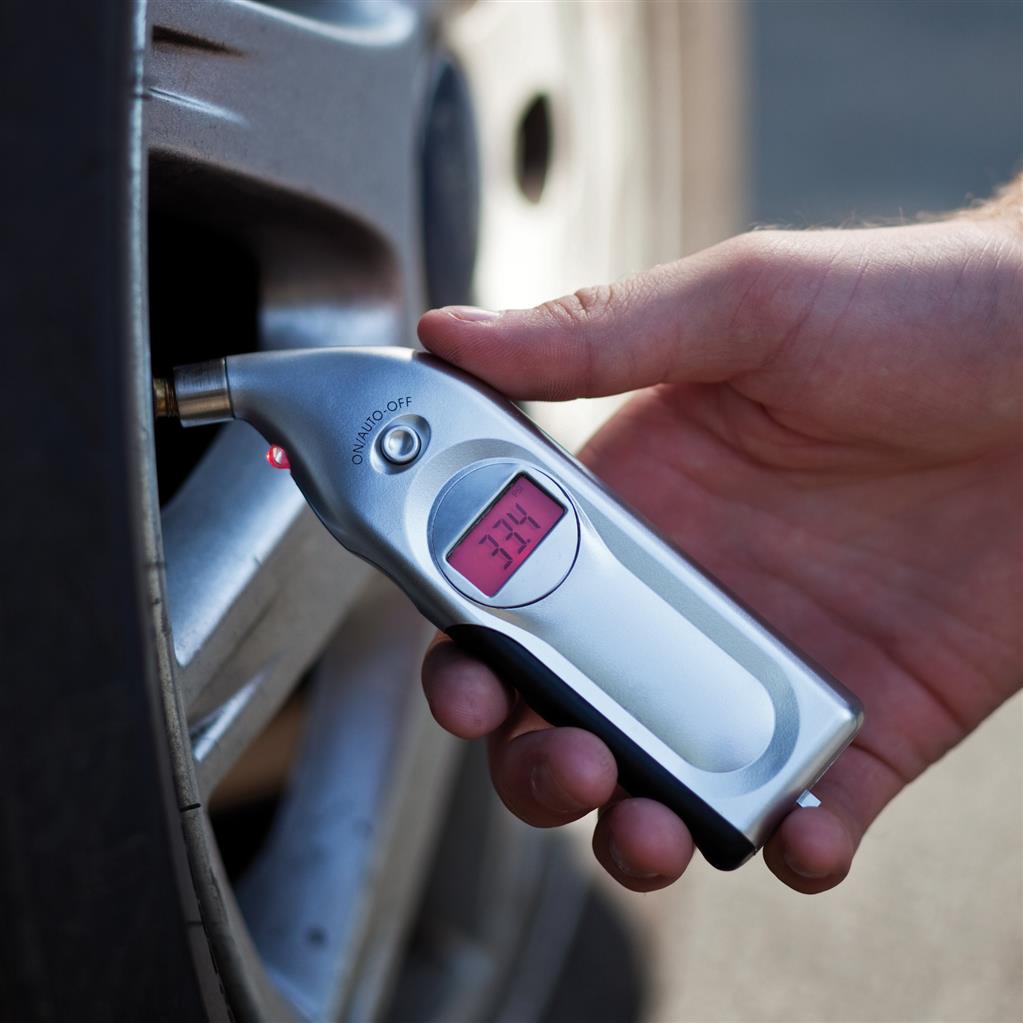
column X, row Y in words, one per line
column 253, row 994
column 328, row 901
column 253, row 91
column 255, row 586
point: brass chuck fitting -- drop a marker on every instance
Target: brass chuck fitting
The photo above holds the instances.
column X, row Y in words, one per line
column 165, row 401
column 196, row 394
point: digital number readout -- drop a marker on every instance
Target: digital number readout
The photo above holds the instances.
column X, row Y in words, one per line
column 498, row 543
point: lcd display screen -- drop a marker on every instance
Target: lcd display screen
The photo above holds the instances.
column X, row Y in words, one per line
column 500, row 541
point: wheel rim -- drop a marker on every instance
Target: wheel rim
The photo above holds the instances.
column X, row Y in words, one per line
column 242, row 134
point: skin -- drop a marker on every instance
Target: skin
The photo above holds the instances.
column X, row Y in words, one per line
column 831, row 423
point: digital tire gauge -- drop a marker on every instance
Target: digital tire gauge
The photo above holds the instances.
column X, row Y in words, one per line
column 506, row 543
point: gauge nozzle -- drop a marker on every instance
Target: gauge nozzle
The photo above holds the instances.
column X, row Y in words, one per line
column 196, row 394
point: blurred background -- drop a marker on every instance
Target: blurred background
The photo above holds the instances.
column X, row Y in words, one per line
column 880, row 109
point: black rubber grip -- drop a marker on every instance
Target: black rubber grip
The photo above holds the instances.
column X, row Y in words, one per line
column 722, row 845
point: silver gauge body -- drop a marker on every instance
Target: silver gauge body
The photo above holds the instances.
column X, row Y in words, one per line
column 599, row 622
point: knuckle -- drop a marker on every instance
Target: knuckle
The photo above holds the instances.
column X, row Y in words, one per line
column 759, row 283
column 748, row 256
column 596, row 299
column 582, row 306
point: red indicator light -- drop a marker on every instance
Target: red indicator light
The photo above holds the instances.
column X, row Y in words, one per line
column 505, row 535
column 277, row 457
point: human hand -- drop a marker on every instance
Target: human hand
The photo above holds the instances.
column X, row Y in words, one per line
column 832, row 425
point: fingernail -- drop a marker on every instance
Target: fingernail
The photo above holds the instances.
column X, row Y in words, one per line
column 623, row 865
column 798, row 868
column 470, row 313
column 549, row 793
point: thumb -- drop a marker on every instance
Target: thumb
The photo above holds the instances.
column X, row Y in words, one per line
column 676, row 322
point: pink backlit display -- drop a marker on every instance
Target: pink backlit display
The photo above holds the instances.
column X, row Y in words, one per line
column 505, row 535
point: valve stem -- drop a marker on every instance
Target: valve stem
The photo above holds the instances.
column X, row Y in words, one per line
column 165, row 401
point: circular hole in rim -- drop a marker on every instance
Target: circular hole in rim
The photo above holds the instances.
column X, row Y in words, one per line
column 534, row 148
